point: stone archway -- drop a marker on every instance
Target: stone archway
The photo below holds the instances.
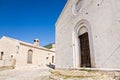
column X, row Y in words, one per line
column 29, row 57
column 83, row 28
column 84, row 47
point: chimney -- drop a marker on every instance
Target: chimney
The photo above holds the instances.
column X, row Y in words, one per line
column 36, row 42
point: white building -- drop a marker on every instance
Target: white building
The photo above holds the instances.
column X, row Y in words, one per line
column 88, row 34
column 24, row 53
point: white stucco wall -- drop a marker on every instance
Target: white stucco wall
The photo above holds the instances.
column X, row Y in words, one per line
column 104, row 23
column 38, row 57
column 20, row 53
column 8, row 48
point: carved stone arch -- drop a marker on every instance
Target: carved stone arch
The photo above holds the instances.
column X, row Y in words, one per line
column 82, row 27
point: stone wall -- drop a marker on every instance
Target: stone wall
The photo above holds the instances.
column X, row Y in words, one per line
column 13, row 49
column 103, row 18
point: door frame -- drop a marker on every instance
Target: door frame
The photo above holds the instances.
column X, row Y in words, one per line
column 76, row 43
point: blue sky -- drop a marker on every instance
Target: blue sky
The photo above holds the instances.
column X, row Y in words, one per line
column 29, row 19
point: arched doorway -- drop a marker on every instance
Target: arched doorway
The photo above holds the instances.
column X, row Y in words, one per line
column 84, row 47
column 29, row 59
column 83, row 52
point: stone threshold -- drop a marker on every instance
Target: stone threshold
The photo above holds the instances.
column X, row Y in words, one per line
column 98, row 69
column 94, row 69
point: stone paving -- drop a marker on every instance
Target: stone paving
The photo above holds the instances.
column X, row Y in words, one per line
column 82, row 75
column 45, row 73
column 25, row 73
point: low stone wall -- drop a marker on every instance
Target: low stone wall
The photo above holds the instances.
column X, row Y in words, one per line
column 5, row 62
column 9, row 63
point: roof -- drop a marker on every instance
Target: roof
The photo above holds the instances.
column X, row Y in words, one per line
column 28, row 44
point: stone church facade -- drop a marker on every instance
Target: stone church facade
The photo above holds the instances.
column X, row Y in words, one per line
column 18, row 53
column 88, row 34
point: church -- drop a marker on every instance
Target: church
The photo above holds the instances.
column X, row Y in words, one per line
column 88, row 34
column 17, row 53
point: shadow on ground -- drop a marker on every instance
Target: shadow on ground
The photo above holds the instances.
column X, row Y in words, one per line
column 5, row 68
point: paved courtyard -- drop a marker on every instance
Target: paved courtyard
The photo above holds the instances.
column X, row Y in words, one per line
column 45, row 73
column 25, row 73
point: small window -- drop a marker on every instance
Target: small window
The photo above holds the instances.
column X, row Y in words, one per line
column 29, row 57
column 78, row 5
column 11, row 56
column 52, row 59
column 1, row 56
column 46, row 57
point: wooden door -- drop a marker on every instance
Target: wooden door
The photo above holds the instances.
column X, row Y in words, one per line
column 85, row 50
